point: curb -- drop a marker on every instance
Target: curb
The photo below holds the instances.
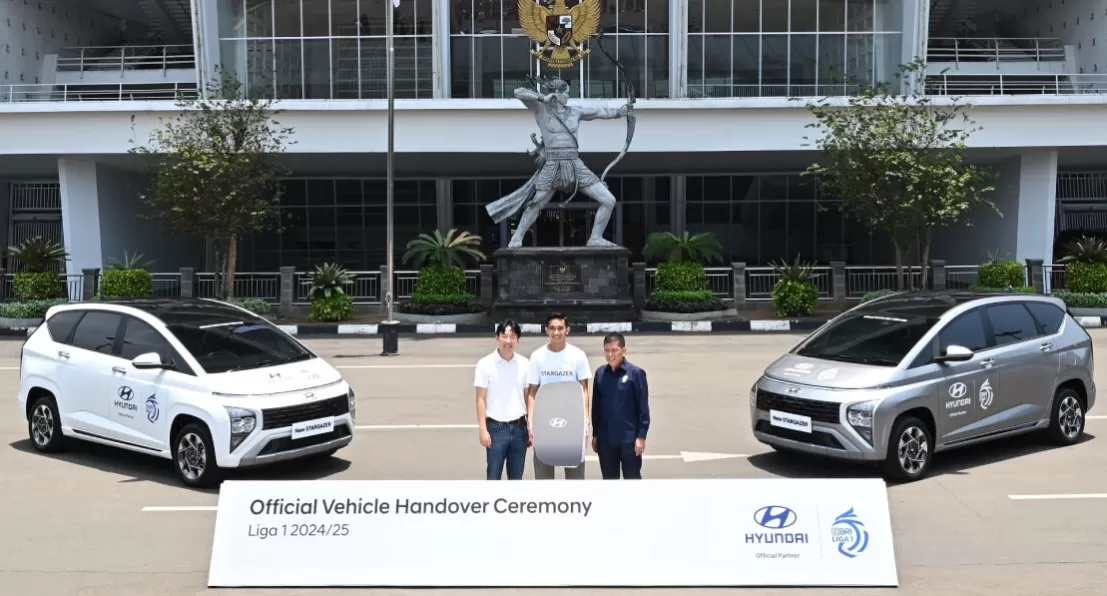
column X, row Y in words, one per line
column 321, row 330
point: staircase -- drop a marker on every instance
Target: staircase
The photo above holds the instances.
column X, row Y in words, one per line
column 412, row 66
column 171, row 19
column 946, row 16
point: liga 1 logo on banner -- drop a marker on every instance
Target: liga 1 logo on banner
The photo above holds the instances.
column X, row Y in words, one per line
column 726, row 532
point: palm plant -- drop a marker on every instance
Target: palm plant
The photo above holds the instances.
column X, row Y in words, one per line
column 328, row 280
column 38, row 254
column 449, row 250
column 697, row 248
column 1085, row 250
column 131, row 260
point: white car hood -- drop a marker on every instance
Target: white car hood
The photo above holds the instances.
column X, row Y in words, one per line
column 275, row 380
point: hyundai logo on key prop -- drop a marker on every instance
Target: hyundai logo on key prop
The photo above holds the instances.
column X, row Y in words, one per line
column 774, row 519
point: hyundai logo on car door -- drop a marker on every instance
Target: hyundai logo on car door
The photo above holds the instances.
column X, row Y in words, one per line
column 124, row 405
column 958, row 399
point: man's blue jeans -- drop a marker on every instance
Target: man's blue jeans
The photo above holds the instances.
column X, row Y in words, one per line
column 510, row 441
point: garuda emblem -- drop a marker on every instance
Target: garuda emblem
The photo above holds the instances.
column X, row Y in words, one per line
column 561, row 30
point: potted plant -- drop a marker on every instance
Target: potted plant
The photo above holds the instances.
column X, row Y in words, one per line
column 794, row 293
column 440, row 294
column 329, row 300
column 1085, row 291
column 39, row 256
column 129, row 278
column 680, row 289
column 997, row 275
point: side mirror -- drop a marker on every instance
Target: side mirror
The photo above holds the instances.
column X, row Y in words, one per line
column 955, row 353
column 149, row 360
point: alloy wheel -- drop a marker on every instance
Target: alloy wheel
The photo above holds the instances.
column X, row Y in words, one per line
column 1070, row 417
column 913, row 450
column 192, row 456
column 42, row 425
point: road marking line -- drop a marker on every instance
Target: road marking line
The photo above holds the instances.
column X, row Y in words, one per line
column 412, row 426
column 1062, row 496
column 9, row 368
column 365, row 366
column 158, row 509
column 1097, row 417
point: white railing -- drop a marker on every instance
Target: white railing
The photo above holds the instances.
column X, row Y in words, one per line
column 1000, row 84
column 723, row 90
column 994, row 49
column 113, row 92
column 122, row 58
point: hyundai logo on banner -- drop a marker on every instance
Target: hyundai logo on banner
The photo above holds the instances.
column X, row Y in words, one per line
column 558, row 422
column 774, row 519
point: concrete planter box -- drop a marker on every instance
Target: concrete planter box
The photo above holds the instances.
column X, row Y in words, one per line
column 708, row 315
column 6, row 323
column 1088, row 312
column 463, row 319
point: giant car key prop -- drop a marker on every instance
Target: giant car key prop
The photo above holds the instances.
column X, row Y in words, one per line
column 559, row 424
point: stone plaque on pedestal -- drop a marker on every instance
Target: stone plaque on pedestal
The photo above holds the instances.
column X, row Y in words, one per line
column 587, row 284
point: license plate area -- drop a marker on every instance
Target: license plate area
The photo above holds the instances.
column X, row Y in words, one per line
column 310, row 428
column 790, row 421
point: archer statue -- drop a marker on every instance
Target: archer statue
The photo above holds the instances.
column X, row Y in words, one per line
column 557, row 157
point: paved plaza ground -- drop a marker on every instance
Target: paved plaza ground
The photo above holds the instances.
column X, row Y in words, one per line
column 74, row 525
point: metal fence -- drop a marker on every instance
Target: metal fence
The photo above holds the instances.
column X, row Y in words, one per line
column 737, row 283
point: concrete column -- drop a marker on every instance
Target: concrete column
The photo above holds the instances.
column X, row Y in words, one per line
column 440, row 48
column 678, row 187
column 938, row 275
column 188, row 282
column 90, row 283
column 206, row 15
column 738, row 285
column 487, row 287
column 839, row 288
column 678, row 49
column 444, row 196
column 1035, row 273
column 80, row 207
column 288, row 289
column 1037, row 205
column 638, row 276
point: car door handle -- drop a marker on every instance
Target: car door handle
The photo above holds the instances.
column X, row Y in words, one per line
column 1046, row 347
column 63, row 355
column 119, row 369
column 987, row 363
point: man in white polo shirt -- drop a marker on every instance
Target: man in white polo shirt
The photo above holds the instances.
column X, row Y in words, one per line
column 559, row 362
column 500, row 380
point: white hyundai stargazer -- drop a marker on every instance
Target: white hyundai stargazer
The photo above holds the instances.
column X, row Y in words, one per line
column 204, row 383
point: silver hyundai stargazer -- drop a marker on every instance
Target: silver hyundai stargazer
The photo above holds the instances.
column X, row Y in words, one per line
column 900, row 378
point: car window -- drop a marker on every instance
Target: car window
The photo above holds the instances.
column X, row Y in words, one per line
column 140, row 338
column 1011, row 323
column 966, row 331
column 61, row 324
column 1047, row 315
column 238, row 345
column 880, row 339
column 97, row 331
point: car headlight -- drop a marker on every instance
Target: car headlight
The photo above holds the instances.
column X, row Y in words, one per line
column 860, row 418
column 352, row 400
column 243, row 423
column 753, row 395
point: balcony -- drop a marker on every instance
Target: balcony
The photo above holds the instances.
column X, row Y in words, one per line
column 117, row 92
column 996, row 55
column 134, row 65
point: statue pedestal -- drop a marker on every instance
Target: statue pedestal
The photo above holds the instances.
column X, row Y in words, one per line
column 586, row 284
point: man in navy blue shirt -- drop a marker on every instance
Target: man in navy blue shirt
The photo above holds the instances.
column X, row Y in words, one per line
column 620, row 412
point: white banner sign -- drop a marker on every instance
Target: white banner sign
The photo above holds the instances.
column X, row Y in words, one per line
column 725, row 532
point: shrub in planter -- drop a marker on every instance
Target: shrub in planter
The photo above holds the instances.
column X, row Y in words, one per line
column 27, row 309
column 1086, row 265
column 440, row 259
column 1082, row 299
column 794, row 293
column 39, row 256
column 877, row 294
column 681, row 282
column 329, row 300
column 1001, row 274
column 257, row 306
column 127, row 279
column 1017, row 289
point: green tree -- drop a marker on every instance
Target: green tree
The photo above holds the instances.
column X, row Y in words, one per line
column 215, row 171
column 898, row 163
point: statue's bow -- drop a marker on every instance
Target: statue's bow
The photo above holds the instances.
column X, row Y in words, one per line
column 630, row 105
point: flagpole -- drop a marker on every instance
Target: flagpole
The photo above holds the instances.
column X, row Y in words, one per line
column 389, row 331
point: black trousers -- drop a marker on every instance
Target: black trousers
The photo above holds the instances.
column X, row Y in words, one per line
column 619, row 457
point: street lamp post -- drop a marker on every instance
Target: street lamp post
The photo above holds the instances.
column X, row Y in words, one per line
column 390, row 327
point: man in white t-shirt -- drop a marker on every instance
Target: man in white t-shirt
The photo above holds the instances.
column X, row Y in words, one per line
column 500, row 380
column 559, row 362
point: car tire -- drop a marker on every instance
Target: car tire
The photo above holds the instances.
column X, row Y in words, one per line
column 194, row 457
column 918, row 451
column 1067, row 417
column 44, row 425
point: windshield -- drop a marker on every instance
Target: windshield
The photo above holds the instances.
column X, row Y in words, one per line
column 878, row 339
column 237, row 345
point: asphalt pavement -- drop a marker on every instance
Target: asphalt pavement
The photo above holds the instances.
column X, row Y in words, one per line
column 78, row 523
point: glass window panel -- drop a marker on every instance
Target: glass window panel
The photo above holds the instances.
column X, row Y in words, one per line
column 693, row 189
column 745, row 15
column 289, row 82
column 774, row 66
column 347, row 193
column 828, row 233
column 746, row 54
column 859, row 15
column 801, row 230
column 832, row 66
column 406, row 192
column 695, row 16
column 294, row 193
column 773, row 224
column 774, row 188
column 317, row 18
column 349, row 228
column 859, row 59
column 801, row 188
column 286, row 18
column 343, row 16
column 716, row 188
column 743, row 188
column 832, row 15
column 320, row 192
column 774, row 16
column 804, row 16
column 317, row 69
column 697, row 86
column 745, row 217
column 657, row 16
column 294, row 234
column 461, row 62
column 693, row 215
column 259, row 18
column 804, row 68
column 632, row 189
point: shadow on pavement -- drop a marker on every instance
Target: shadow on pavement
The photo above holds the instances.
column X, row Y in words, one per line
column 139, row 467
column 956, row 461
